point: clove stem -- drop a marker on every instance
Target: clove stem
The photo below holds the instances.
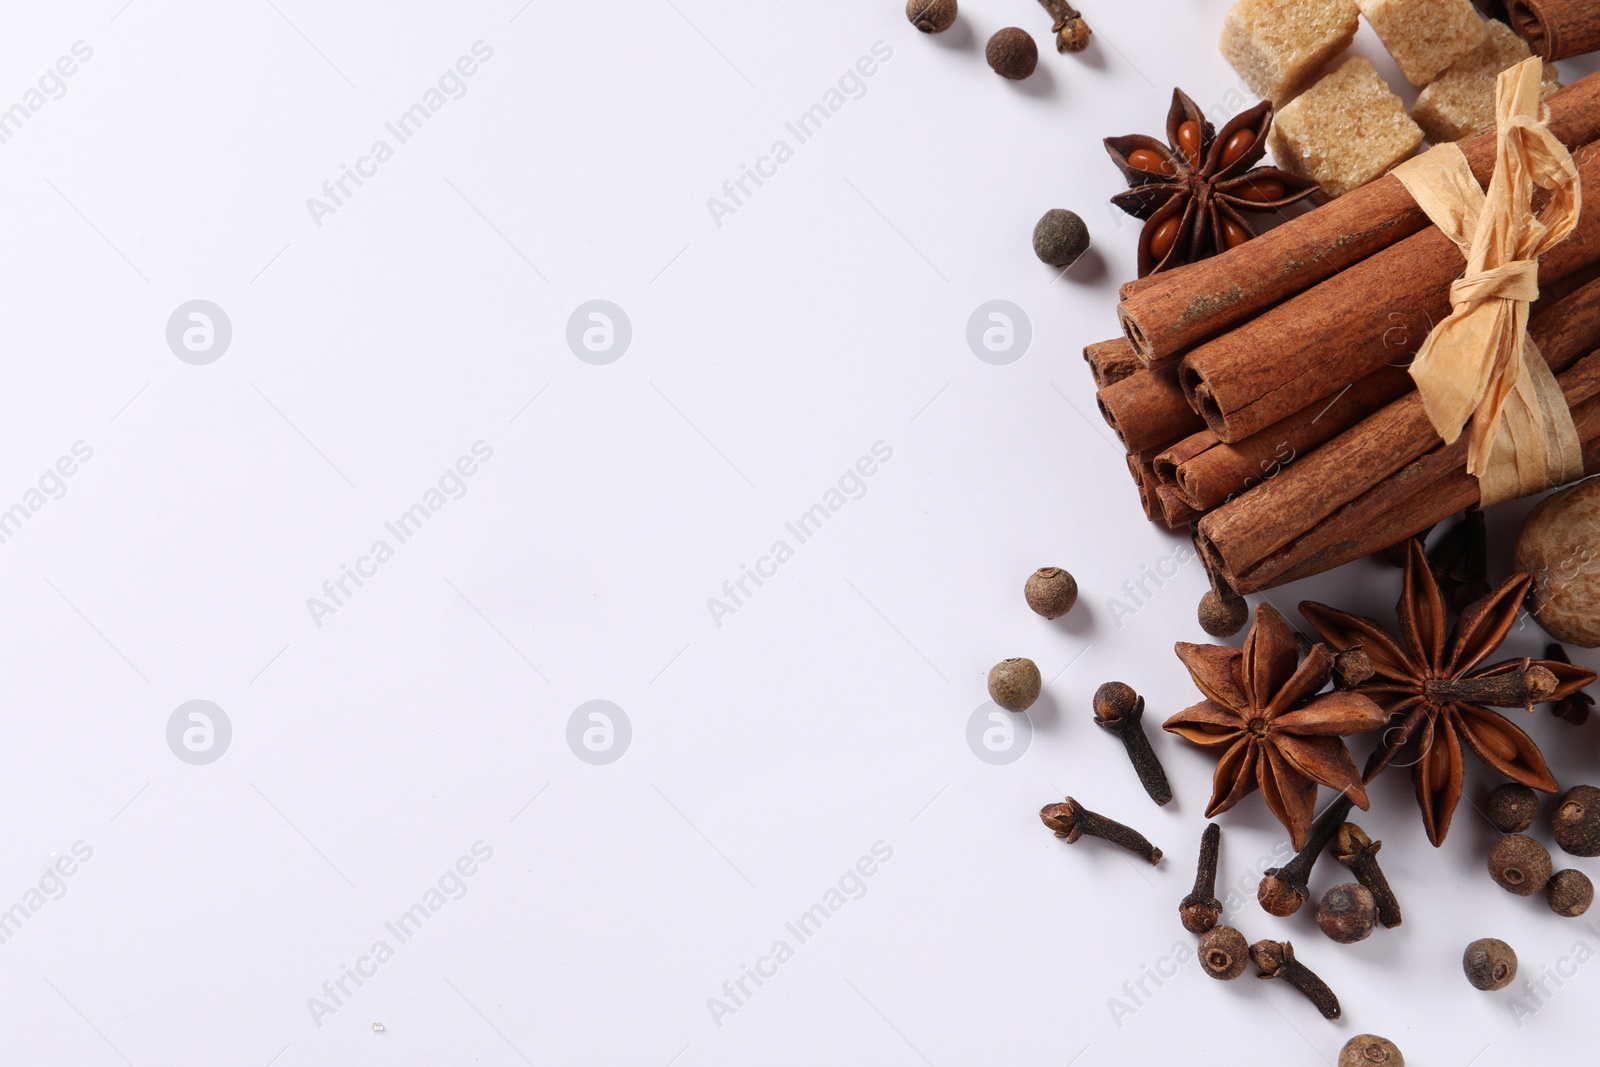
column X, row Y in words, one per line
column 1072, row 820
column 1505, row 686
column 1353, row 848
column 1201, row 910
column 1275, row 959
column 1284, row 889
column 1121, row 712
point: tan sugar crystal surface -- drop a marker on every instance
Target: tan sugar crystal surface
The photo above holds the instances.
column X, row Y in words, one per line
column 1279, row 46
column 1462, row 100
column 1425, row 36
column 1344, row 131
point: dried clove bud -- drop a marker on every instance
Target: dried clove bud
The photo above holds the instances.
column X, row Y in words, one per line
column 1347, row 913
column 1353, row 848
column 1275, row 959
column 1072, row 33
column 1223, row 953
column 1201, row 910
column 1284, row 889
column 1512, row 807
column 1120, row 711
column 1575, row 708
column 1490, row 964
column 1507, row 685
column 1370, row 1050
column 1072, row 820
column 1351, row 666
column 1519, row 864
column 1570, row 893
column 1460, row 561
column 1576, row 823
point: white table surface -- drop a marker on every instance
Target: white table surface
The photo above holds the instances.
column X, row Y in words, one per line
column 381, row 738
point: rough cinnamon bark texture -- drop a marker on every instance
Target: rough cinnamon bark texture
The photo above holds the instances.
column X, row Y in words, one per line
column 1170, row 313
column 1379, row 311
column 1111, row 361
column 1422, row 493
column 1208, row 471
column 1160, row 503
column 1251, row 527
column 1148, row 408
column 1557, row 29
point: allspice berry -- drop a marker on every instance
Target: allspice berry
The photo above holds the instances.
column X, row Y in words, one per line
column 931, row 16
column 1490, row 964
column 1576, row 823
column 1223, row 616
column 1370, row 1050
column 1060, row 237
column 1014, row 684
column 1223, row 953
column 1012, row 54
column 1348, row 913
column 1519, row 864
column 1570, row 893
column 1051, row 592
column 1512, row 807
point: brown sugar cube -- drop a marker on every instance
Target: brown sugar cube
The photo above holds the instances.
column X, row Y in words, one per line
column 1462, row 100
column 1344, row 131
column 1279, row 46
column 1425, row 36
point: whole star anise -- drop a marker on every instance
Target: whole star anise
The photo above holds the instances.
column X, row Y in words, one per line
column 1429, row 681
column 1191, row 191
column 1275, row 732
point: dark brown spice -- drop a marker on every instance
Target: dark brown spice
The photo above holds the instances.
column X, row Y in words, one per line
column 1223, row 953
column 1120, row 711
column 1353, row 848
column 1519, row 864
column 1576, row 823
column 1460, row 561
column 1201, row 910
column 1072, row 33
column 1570, row 893
column 1072, row 820
column 1223, row 615
column 1012, row 54
column 1014, row 684
column 1512, row 807
column 931, row 16
column 1284, row 889
column 1275, row 959
column 1370, row 1050
column 1489, row 963
column 1575, row 706
column 1347, row 913
column 1051, row 592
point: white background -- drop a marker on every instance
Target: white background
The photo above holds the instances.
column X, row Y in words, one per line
column 768, row 753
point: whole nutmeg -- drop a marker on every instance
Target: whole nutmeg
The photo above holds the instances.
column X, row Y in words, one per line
column 931, row 16
column 1348, row 913
column 1222, row 616
column 1512, row 807
column 1570, row 893
column 1223, row 953
column 1490, row 964
column 1014, row 684
column 1576, row 823
column 1051, row 592
column 1519, row 864
column 1557, row 547
column 1370, row 1050
column 1012, row 54
column 1060, row 237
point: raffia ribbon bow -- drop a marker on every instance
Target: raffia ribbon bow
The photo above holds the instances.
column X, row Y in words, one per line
column 1478, row 370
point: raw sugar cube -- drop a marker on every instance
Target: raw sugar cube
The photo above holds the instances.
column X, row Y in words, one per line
column 1344, row 131
column 1462, row 100
column 1425, row 36
column 1279, row 46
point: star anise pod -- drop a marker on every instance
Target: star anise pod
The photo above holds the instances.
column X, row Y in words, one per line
column 1191, row 191
column 1430, row 683
column 1574, row 707
column 1275, row 732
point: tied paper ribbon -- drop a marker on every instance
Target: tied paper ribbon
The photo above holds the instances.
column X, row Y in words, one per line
column 1478, row 370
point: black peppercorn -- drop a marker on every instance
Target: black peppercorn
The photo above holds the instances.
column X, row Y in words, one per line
column 1512, row 807
column 1519, row 864
column 1223, row 615
column 1012, row 53
column 931, row 16
column 1370, row 1050
column 1050, row 591
column 1060, row 238
column 1014, row 684
column 1348, row 913
column 1490, row 964
column 1570, row 893
column 1576, row 822
column 1223, row 953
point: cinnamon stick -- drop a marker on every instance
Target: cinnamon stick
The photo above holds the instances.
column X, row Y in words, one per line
column 1379, row 311
column 1148, row 408
column 1556, row 29
column 1173, row 311
column 1111, row 361
column 1253, row 526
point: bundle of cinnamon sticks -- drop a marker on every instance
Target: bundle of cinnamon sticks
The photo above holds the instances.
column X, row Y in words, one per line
column 1263, row 395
